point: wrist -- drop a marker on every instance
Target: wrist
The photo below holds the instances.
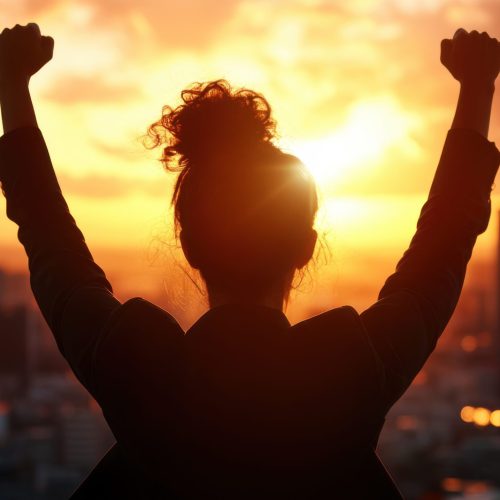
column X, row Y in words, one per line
column 474, row 105
column 10, row 85
column 16, row 104
column 485, row 87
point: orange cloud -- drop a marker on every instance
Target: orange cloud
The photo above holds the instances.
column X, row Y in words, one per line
column 106, row 186
column 77, row 89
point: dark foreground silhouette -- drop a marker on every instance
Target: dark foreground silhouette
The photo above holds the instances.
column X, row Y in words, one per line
column 244, row 405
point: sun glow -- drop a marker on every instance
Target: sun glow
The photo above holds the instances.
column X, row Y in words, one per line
column 371, row 127
column 358, row 92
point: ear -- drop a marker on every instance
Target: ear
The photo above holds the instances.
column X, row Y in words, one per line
column 188, row 251
column 307, row 250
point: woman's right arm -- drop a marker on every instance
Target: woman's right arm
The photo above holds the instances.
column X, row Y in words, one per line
column 71, row 290
column 417, row 301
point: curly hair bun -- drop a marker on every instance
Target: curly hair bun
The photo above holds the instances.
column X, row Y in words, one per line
column 215, row 123
column 243, row 208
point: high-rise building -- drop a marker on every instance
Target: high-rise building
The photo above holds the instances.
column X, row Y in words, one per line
column 496, row 338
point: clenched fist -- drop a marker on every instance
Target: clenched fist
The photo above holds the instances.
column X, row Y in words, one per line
column 471, row 57
column 23, row 51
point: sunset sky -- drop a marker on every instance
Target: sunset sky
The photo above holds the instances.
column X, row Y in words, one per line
column 356, row 86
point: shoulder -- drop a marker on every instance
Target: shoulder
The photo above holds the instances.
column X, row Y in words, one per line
column 138, row 312
column 138, row 338
column 137, row 320
column 339, row 339
column 341, row 321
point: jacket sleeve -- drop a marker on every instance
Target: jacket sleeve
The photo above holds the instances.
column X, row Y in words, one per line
column 417, row 301
column 71, row 290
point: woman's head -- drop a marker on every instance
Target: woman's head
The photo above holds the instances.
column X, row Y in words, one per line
column 244, row 210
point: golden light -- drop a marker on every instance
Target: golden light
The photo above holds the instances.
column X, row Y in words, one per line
column 469, row 343
column 452, row 484
column 337, row 211
column 481, row 416
column 407, row 423
column 474, row 488
column 347, row 95
column 369, row 130
column 495, row 418
column 467, row 414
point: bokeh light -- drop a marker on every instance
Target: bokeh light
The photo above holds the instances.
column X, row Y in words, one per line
column 495, row 418
column 467, row 414
column 469, row 343
column 481, row 416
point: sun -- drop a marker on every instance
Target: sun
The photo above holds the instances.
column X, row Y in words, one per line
column 371, row 127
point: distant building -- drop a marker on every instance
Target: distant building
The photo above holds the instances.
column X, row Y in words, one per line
column 4, row 421
column 15, row 355
column 85, row 437
column 14, row 290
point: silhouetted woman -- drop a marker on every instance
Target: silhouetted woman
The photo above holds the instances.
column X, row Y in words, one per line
column 244, row 405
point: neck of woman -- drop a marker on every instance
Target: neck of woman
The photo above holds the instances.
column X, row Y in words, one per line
column 275, row 297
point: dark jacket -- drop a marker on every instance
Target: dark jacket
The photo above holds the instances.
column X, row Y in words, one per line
column 244, row 405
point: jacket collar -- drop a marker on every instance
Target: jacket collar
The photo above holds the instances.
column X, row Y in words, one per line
column 241, row 317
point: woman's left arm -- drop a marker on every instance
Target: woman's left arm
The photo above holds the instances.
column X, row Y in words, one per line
column 71, row 290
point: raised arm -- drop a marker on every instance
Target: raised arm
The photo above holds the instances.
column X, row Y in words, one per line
column 417, row 301
column 71, row 290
